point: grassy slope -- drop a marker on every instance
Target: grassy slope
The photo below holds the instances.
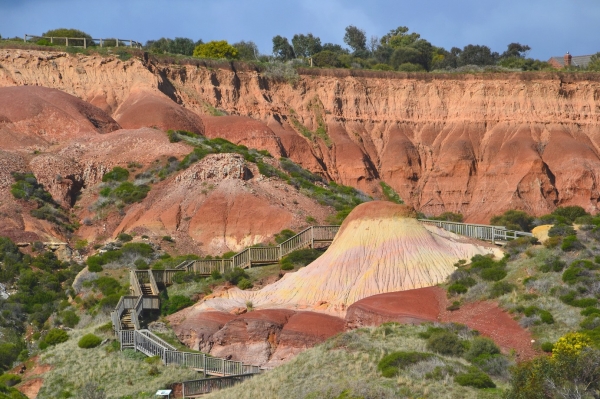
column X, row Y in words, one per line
column 348, row 363
column 120, row 374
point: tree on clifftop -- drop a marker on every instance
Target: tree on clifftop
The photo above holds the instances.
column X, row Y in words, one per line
column 216, row 49
column 355, row 38
column 306, row 45
column 282, row 48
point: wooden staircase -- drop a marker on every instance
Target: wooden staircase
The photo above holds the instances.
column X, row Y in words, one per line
column 127, row 322
column 146, row 289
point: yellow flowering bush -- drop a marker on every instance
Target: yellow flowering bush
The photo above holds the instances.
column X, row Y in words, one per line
column 570, row 345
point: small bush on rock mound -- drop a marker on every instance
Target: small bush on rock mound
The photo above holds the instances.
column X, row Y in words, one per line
column 235, row 276
column 89, row 341
column 390, row 365
column 474, row 378
column 244, row 284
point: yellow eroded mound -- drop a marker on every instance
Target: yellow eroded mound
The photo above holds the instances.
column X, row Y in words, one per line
column 380, row 248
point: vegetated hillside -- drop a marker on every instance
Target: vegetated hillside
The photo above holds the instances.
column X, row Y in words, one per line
column 474, row 144
column 195, row 194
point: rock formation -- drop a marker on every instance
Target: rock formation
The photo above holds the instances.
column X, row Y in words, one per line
column 475, row 144
column 263, row 337
column 380, row 248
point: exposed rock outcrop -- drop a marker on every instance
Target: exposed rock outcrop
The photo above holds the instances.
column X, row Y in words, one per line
column 380, row 248
column 475, row 144
column 263, row 337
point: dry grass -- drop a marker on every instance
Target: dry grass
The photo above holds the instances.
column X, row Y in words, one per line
column 348, row 363
column 120, row 374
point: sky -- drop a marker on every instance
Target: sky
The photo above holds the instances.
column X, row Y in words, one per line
column 549, row 27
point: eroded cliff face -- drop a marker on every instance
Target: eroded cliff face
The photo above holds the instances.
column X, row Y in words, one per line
column 475, row 144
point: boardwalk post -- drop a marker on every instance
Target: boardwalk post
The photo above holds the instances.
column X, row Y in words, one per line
column 117, row 43
column 493, row 235
column 84, row 43
column 67, row 42
column 312, row 237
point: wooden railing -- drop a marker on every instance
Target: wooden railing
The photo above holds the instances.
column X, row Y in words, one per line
column 479, row 231
column 86, row 42
column 208, row 385
column 265, row 255
column 151, row 345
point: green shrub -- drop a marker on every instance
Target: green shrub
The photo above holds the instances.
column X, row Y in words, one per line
column 141, row 264
column 571, row 243
column 391, row 364
column 168, row 239
column 590, row 311
column 547, row 347
column 229, row 254
column 116, row 174
column 591, row 322
column 390, row 194
column 561, row 230
column 130, row 193
column 105, row 192
column 302, row 257
column 457, row 288
column 571, row 299
column 481, row 346
column 174, row 304
column 445, row 343
column 449, row 217
column 124, row 237
column 107, row 285
column 89, row 341
column 284, row 235
column 215, row 274
column 234, row 276
column 493, row 274
column 244, row 284
column 552, row 264
column 513, row 220
column 286, row 264
column 56, row 336
column 546, row 317
column 69, row 318
column 474, row 378
column 500, row 288
column 10, row 380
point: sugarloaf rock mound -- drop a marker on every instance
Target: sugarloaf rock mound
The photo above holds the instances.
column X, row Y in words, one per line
column 144, row 108
column 381, row 247
column 34, row 117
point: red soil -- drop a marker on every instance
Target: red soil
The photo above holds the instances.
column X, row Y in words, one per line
column 154, row 109
column 429, row 304
column 412, row 306
column 493, row 322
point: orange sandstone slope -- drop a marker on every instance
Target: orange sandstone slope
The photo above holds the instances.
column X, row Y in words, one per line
column 476, row 144
column 380, row 248
column 219, row 204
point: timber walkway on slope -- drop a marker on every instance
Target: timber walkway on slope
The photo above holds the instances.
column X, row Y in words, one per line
column 144, row 286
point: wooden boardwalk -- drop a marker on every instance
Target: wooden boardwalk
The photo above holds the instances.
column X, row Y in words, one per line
column 145, row 289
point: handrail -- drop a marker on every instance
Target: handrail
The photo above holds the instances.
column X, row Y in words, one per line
column 152, row 280
column 86, row 40
column 207, row 385
column 265, row 255
column 479, row 231
column 134, row 283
